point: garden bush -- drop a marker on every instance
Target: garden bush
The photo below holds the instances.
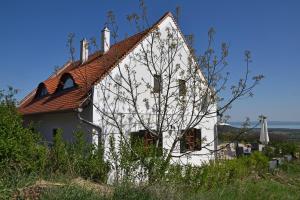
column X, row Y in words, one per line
column 19, row 148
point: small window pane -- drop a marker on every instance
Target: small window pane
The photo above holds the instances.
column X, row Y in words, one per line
column 191, row 140
column 42, row 92
column 182, row 87
column 157, row 87
column 68, row 83
column 54, row 132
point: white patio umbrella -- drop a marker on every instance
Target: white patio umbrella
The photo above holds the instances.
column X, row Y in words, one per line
column 264, row 135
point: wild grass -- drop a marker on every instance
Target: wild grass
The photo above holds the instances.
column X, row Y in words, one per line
column 283, row 184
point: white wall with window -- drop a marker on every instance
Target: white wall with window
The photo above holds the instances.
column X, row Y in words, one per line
column 205, row 130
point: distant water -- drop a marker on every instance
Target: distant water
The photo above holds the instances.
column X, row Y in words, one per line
column 272, row 124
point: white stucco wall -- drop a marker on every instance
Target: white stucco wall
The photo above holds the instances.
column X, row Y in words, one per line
column 67, row 121
column 207, row 125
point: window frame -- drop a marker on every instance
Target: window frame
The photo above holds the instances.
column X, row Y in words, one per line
column 54, row 132
column 64, row 78
column 42, row 91
column 157, row 83
column 70, row 81
column 147, row 139
column 191, row 140
column 182, row 89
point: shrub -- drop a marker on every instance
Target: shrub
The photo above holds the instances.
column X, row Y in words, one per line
column 79, row 158
column 88, row 159
column 59, row 160
column 216, row 173
column 19, row 150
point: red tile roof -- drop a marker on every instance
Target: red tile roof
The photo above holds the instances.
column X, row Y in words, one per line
column 85, row 76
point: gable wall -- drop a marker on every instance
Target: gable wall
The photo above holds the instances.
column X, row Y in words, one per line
column 207, row 126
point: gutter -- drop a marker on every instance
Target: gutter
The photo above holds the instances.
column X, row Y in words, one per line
column 79, row 111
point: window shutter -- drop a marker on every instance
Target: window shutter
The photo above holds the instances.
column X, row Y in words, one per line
column 191, row 141
column 198, row 139
column 182, row 145
column 148, row 139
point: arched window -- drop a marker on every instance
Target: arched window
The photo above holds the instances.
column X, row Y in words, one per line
column 66, row 82
column 41, row 91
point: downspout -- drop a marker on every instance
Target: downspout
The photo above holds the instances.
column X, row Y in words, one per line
column 79, row 110
column 97, row 127
column 216, row 141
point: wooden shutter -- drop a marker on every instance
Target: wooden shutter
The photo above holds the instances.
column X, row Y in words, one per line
column 149, row 139
column 198, row 136
column 183, row 148
column 191, row 140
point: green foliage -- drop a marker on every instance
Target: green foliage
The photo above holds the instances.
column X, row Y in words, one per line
column 11, row 181
column 79, row 158
column 19, row 148
column 133, row 160
column 278, row 149
column 69, row 192
column 59, row 158
column 130, row 192
column 292, row 168
column 88, row 160
column 249, row 189
column 22, row 155
column 218, row 173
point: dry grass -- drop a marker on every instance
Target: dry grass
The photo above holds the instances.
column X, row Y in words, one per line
column 34, row 191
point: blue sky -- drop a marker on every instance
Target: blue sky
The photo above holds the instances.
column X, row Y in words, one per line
column 33, row 35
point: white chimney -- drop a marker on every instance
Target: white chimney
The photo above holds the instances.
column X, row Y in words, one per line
column 105, row 39
column 84, row 50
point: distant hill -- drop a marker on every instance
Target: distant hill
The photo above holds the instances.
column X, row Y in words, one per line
column 228, row 133
column 273, row 124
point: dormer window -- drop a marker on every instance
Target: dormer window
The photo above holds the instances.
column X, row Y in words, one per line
column 66, row 82
column 41, row 91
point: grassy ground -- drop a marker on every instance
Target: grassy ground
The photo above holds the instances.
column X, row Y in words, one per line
column 282, row 184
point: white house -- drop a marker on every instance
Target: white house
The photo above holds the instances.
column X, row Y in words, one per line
column 73, row 97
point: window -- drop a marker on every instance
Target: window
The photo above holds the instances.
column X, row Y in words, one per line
column 191, row 140
column 146, row 139
column 54, row 133
column 66, row 82
column 157, row 86
column 182, row 87
column 41, row 91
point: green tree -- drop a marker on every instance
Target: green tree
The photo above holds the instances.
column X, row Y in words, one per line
column 19, row 148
